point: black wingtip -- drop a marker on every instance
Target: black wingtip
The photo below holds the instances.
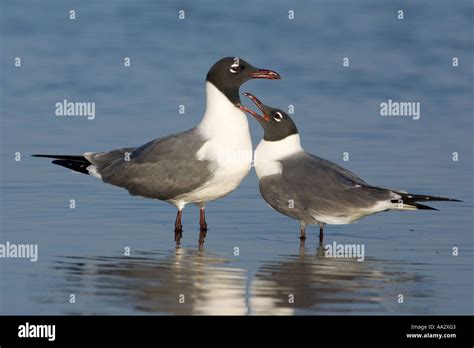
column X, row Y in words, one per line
column 64, row 157
column 409, row 197
column 76, row 166
column 423, row 207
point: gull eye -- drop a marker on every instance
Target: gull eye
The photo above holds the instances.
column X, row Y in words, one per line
column 234, row 68
column 278, row 116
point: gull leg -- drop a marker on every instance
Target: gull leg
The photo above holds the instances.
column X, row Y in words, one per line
column 321, row 233
column 202, row 237
column 302, row 247
column 302, row 231
column 202, row 219
column 178, row 227
column 177, row 238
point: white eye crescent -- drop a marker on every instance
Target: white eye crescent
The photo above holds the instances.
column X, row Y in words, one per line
column 278, row 116
column 234, row 68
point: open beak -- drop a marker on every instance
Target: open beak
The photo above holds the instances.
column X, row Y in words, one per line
column 259, row 105
column 265, row 74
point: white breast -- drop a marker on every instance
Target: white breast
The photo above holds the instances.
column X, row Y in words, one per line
column 229, row 147
column 269, row 154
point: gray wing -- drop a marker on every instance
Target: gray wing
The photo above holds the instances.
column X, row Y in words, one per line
column 317, row 185
column 163, row 168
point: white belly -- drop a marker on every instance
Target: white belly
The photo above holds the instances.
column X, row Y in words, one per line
column 224, row 181
column 228, row 149
column 231, row 166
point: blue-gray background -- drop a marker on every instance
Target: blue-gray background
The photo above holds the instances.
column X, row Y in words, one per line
column 336, row 110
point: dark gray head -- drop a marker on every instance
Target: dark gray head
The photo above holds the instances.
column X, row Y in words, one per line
column 228, row 74
column 276, row 123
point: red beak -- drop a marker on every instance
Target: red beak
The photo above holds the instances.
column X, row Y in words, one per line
column 265, row 74
column 259, row 105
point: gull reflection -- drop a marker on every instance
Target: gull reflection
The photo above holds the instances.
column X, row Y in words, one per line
column 181, row 282
column 310, row 283
column 193, row 281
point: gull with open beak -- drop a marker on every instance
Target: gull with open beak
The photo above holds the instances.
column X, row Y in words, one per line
column 311, row 189
column 200, row 165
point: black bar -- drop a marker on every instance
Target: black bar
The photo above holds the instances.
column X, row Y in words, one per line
column 137, row 330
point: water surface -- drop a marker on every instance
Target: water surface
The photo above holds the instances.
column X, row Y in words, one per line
column 336, row 111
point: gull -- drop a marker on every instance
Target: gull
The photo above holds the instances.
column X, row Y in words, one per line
column 311, row 189
column 199, row 165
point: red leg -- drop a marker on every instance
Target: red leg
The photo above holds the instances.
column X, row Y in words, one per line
column 202, row 237
column 178, row 227
column 302, row 230
column 303, row 233
column 177, row 238
column 202, row 220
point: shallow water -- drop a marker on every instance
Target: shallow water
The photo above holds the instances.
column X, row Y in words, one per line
column 81, row 250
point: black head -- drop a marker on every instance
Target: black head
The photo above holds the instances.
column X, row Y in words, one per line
column 277, row 125
column 228, row 74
